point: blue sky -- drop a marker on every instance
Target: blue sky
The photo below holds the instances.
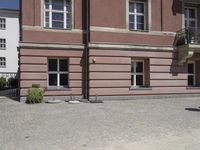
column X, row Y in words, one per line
column 13, row 4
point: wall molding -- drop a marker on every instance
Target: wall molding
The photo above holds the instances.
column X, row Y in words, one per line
column 51, row 46
column 131, row 47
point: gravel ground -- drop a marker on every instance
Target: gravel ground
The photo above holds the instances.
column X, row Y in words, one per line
column 152, row 124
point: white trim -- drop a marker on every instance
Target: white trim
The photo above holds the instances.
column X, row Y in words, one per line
column 44, row 45
column 131, row 47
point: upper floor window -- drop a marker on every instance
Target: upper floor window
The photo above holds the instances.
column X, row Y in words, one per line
column 2, row 23
column 137, row 15
column 58, row 14
column 2, row 62
column 2, row 43
column 190, row 17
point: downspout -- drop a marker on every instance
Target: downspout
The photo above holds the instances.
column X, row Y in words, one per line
column 86, row 54
column 161, row 13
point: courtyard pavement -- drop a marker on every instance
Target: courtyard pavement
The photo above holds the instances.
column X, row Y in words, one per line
column 151, row 124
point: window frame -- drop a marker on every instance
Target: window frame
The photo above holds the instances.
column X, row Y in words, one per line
column 191, row 74
column 58, row 86
column 2, row 44
column 64, row 12
column 2, row 24
column 135, row 14
column 134, row 74
column 2, row 61
column 190, row 19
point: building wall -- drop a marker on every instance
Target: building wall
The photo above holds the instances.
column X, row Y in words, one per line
column 34, row 70
column 110, row 75
column 11, row 34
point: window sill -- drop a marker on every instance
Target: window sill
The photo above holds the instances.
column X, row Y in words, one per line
column 2, row 48
column 61, row 29
column 57, row 89
column 140, row 88
column 192, row 87
column 132, row 30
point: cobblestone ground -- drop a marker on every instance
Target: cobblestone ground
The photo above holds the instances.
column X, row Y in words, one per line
column 154, row 124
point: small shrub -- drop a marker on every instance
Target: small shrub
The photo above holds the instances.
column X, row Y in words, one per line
column 35, row 95
column 35, row 86
column 2, row 82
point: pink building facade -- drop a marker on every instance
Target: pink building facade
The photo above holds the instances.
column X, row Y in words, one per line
column 110, row 49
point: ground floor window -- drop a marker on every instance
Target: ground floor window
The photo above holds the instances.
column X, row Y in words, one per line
column 58, row 75
column 191, row 74
column 137, row 73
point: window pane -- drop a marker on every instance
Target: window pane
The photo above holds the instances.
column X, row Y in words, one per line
column 139, row 67
column 52, row 79
column 140, row 7
column 131, row 18
column 57, row 16
column 191, row 13
column 69, row 21
column 57, row 24
column 132, row 80
column 131, row 26
column 139, row 80
column 131, row 7
column 64, row 65
column 132, row 67
column 192, row 24
column 190, row 80
column 140, row 19
column 53, row 65
column 140, row 26
column 68, row 6
column 63, row 80
column 47, row 19
column 57, row 4
column 47, row 4
column 190, row 68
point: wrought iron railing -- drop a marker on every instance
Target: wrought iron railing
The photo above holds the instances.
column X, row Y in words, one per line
column 188, row 36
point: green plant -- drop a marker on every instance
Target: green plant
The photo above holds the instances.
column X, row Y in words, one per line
column 2, row 82
column 35, row 95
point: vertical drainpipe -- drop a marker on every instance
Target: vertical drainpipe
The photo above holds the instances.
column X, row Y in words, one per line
column 161, row 13
column 86, row 54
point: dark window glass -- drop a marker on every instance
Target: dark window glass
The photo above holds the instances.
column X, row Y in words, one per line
column 139, row 80
column 191, row 13
column 140, row 7
column 53, row 79
column 190, row 80
column 132, row 80
column 190, row 68
column 64, row 65
column 57, row 4
column 63, row 80
column 131, row 7
column 139, row 67
column 53, row 65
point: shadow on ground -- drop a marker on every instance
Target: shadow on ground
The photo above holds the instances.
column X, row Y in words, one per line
column 193, row 109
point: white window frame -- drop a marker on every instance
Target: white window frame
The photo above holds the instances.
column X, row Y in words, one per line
column 2, row 44
column 65, row 12
column 134, row 73
column 2, row 62
column 58, row 73
column 192, row 74
column 135, row 14
column 187, row 19
column 2, row 23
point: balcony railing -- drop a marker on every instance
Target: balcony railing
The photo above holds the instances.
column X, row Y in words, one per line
column 188, row 36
